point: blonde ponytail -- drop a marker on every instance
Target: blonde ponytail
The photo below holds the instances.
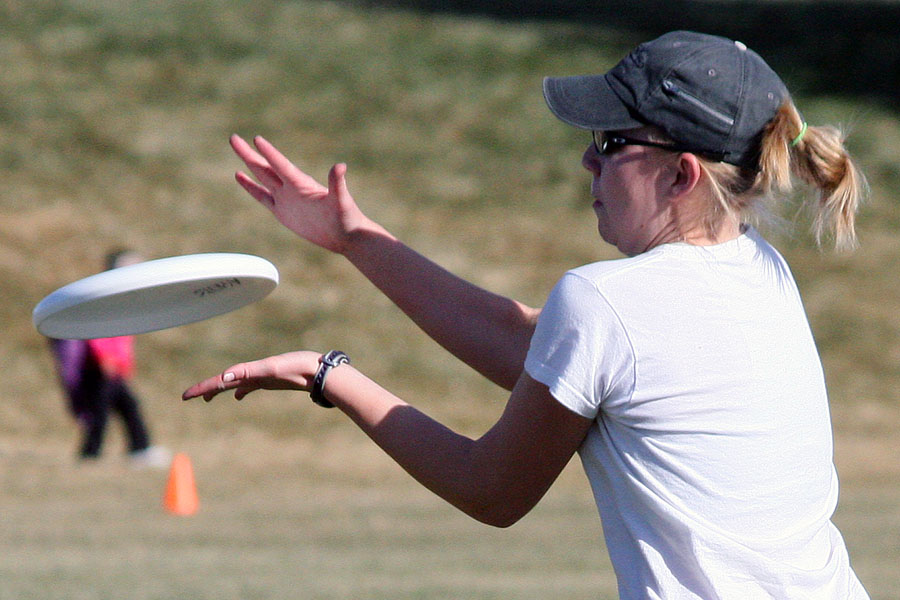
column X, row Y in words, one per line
column 817, row 157
column 791, row 149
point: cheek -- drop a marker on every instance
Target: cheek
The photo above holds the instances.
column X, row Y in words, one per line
column 617, row 198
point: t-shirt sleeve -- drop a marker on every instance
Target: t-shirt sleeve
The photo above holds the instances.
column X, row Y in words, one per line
column 579, row 349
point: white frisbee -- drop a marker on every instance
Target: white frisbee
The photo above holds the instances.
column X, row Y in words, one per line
column 153, row 295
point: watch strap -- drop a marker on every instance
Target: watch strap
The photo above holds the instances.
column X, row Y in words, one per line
column 328, row 361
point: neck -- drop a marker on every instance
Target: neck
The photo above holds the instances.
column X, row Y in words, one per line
column 728, row 230
column 697, row 235
column 689, row 215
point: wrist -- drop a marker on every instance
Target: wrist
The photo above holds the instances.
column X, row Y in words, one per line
column 328, row 361
column 356, row 241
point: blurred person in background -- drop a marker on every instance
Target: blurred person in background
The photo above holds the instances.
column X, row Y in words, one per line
column 685, row 374
column 95, row 375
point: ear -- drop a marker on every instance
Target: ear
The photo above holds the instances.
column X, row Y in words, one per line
column 686, row 176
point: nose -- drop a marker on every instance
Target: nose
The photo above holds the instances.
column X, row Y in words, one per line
column 590, row 160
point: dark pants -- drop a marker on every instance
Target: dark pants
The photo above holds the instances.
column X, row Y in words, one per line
column 113, row 395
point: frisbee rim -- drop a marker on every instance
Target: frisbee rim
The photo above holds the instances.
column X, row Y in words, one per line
column 159, row 273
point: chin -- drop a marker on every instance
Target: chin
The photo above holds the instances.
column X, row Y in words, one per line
column 606, row 238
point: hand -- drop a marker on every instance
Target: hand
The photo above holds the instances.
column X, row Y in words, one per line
column 325, row 216
column 291, row 371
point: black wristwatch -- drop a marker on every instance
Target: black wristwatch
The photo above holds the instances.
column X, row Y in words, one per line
column 327, row 362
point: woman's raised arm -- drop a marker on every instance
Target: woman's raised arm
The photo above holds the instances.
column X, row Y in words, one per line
column 488, row 332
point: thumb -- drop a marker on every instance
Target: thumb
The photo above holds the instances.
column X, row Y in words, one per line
column 337, row 182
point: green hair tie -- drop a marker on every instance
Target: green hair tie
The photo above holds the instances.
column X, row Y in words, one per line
column 800, row 135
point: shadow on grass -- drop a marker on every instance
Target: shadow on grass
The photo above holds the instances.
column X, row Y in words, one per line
column 845, row 48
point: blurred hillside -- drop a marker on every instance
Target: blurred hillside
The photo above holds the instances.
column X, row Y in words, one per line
column 116, row 119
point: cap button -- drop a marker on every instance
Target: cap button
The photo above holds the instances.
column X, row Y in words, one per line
column 741, row 45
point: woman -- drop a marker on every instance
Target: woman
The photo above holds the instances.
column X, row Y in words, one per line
column 685, row 374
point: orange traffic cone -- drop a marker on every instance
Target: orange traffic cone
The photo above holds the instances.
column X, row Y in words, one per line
column 181, row 492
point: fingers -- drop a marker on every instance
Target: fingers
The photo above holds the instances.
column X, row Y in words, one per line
column 254, row 189
column 284, row 169
column 235, row 377
column 240, row 393
column 272, row 169
column 257, row 164
column 337, row 181
column 290, row 371
column 278, row 161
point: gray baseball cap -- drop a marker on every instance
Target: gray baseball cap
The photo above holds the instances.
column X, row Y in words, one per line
column 706, row 92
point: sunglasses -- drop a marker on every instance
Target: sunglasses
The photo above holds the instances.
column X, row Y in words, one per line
column 605, row 143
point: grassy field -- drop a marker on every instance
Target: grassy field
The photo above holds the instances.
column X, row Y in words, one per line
column 115, row 118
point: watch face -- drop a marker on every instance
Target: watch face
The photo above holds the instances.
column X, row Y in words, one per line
column 335, row 358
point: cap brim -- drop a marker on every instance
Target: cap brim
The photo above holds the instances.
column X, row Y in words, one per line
column 587, row 102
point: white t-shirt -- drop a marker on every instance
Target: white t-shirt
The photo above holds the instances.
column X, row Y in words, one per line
column 711, row 455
